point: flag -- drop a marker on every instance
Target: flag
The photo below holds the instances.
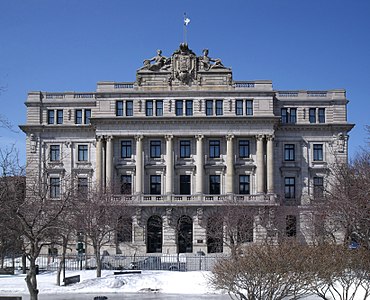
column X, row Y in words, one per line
column 186, row 20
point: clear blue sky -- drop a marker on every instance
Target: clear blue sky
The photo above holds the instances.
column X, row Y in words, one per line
column 70, row 45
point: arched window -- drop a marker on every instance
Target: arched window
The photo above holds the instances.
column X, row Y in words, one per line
column 185, row 234
column 154, row 235
column 214, row 235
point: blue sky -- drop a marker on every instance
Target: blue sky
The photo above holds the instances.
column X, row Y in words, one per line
column 70, row 45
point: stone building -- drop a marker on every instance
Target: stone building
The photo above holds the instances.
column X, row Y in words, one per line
column 185, row 139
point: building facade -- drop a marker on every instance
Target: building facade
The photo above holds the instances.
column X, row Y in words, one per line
column 183, row 140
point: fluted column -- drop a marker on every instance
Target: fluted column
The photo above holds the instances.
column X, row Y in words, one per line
column 99, row 147
column 199, row 165
column 270, row 163
column 109, row 162
column 260, row 165
column 139, row 164
column 169, row 164
column 229, row 164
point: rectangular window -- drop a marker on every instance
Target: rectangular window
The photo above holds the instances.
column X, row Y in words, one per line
column 129, row 108
column 289, row 152
column 214, row 148
column 249, row 107
column 185, row 185
column 149, row 107
column 318, row 153
column 239, row 107
column 289, row 187
column 159, row 108
column 50, row 116
column 244, row 184
column 126, row 149
column 126, row 184
column 189, row 107
column 244, row 149
column 291, row 226
column 54, row 187
column 179, row 107
column 219, row 108
column 284, row 116
column 155, row 184
column 82, row 153
column 82, row 185
column 87, row 116
column 54, row 153
column 209, row 107
column 293, row 115
column 318, row 187
column 119, row 108
column 214, row 185
column 78, row 116
column 185, row 149
column 312, row 115
column 59, row 116
column 321, row 115
column 155, row 149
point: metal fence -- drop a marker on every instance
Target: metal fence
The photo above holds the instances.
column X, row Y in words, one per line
column 180, row 262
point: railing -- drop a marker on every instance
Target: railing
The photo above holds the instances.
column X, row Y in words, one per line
column 124, row 85
column 69, row 95
column 244, row 84
column 87, row 95
column 295, row 94
column 54, row 96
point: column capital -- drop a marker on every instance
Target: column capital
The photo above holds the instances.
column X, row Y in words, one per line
column 229, row 137
column 199, row 137
column 270, row 137
column 139, row 137
column 259, row 137
column 109, row 138
column 168, row 137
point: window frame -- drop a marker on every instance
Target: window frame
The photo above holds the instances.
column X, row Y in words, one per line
column 119, row 108
column 55, row 185
column 209, row 107
column 185, row 185
column 159, row 108
column 155, row 149
column 289, row 152
column 83, row 153
column 129, row 108
column 289, row 187
column 321, row 115
column 219, row 107
column 188, row 107
column 82, row 185
column 312, row 115
column 51, row 116
column 155, row 185
column 239, row 107
column 149, row 108
column 185, row 148
column 318, row 152
column 214, row 148
column 59, row 116
column 54, row 153
column 179, row 108
column 78, row 116
column 126, row 149
column 249, row 107
column 244, row 150
column 87, row 116
column 244, row 184
column 214, row 184
column 126, row 184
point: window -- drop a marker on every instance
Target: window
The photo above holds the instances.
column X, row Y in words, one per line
column 159, row 108
column 321, row 115
column 214, row 184
column 219, row 107
column 189, row 107
column 87, row 116
column 54, row 153
column 50, row 116
column 155, row 184
column 209, row 107
column 318, row 187
column 289, row 152
column 239, row 107
column 244, row 184
column 185, row 185
column 119, row 108
column 214, row 148
column 249, row 107
column 82, row 152
column 54, row 187
column 291, row 226
column 59, row 116
column 185, row 149
column 179, row 107
column 289, row 187
column 82, row 185
column 129, row 108
column 289, row 115
column 149, row 107
column 78, row 116
column 312, row 115
column 126, row 187
column 318, row 152
column 155, row 149
column 244, row 149
column 124, row 230
column 126, row 149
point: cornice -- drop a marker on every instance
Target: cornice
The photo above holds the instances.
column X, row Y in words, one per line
column 56, row 128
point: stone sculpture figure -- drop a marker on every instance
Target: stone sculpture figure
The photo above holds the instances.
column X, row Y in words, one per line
column 160, row 62
column 208, row 63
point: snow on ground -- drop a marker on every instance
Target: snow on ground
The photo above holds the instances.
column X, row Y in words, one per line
column 162, row 281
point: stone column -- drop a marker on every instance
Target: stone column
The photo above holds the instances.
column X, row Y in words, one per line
column 169, row 164
column 139, row 164
column 270, row 163
column 260, row 165
column 109, row 162
column 99, row 150
column 199, row 165
column 229, row 188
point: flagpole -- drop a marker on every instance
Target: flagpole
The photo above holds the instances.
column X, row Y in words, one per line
column 184, row 24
